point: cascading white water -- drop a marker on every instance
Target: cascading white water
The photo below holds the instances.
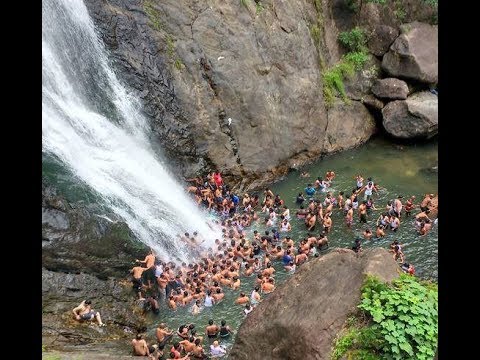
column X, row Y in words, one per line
column 95, row 127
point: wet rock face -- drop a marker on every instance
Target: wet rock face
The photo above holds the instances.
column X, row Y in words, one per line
column 226, row 86
column 414, row 54
column 301, row 318
column 416, row 117
column 75, row 240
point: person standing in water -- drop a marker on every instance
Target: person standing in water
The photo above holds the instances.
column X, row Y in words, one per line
column 225, row 330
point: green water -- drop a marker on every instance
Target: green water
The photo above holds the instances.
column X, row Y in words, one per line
column 397, row 169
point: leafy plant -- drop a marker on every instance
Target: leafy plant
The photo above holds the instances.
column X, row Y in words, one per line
column 353, row 40
column 258, row 7
column 244, row 3
column 404, row 317
column 357, row 59
column 334, row 77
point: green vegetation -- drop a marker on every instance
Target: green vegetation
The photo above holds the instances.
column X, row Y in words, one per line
column 400, row 12
column 357, row 59
column 333, row 81
column 315, row 33
column 178, row 64
column 353, row 40
column 245, row 3
column 170, row 45
column 433, row 3
column 153, row 15
column 259, row 7
column 402, row 322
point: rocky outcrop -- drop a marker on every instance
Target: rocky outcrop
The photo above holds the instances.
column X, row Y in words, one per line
column 115, row 302
column 381, row 38
column 390, row 88
column 414, row 54
column 416, row 117
column 76, row 239
column 301, row 318
column 225, row 83
column 348, row 124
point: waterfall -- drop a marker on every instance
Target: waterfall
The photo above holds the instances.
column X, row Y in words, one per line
column 94, row 125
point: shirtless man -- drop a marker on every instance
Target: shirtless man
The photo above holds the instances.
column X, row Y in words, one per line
column 188, row 344
column 137, row 272
column 212, row 329
column 311, row 222
column 140, row 347
column 397, row 206
column 149, row 263
column 171, row 303
column 242, row 299
column 327, row 223
column 300, row 258
column 218, row 295
column 269, row 270
column 367, row 234
column 380, row 232
column 268, row 286
column 362, row 211
column 349, row 217
column 163, row 334
column 84, row 312
column 409, row 206
column 426, row 202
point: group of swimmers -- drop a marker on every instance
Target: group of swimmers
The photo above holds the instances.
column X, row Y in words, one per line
column 237, row 255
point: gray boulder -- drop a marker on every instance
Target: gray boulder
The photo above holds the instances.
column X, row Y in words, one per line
column 348, row 125
column 301, row 318
column 382, row 37
column 390, row 88
column 416, row 117
column 414, row 54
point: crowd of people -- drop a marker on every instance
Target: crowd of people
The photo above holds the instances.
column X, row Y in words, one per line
column 239, row 254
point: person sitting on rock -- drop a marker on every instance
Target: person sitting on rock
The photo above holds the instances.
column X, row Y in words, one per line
column 140, row 347
column 85, row 312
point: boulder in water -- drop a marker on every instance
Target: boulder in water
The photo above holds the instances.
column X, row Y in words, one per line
column 416, row 117
column 301, row 318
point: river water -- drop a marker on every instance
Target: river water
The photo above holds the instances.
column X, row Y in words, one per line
column 398, row 169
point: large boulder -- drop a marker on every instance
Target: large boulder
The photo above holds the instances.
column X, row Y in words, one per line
column 301, row 318
column 414, row 54
column 381, row 38
column 348, row 125
column 390, row 88
column 416, row 117
column 74, row 239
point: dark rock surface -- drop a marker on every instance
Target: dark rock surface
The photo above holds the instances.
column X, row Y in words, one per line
column 390, row 88
column 62, row 292
column 74, row 239
column 301, row 318
column 414, row 54
column 416, row 117
column 381, row 38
